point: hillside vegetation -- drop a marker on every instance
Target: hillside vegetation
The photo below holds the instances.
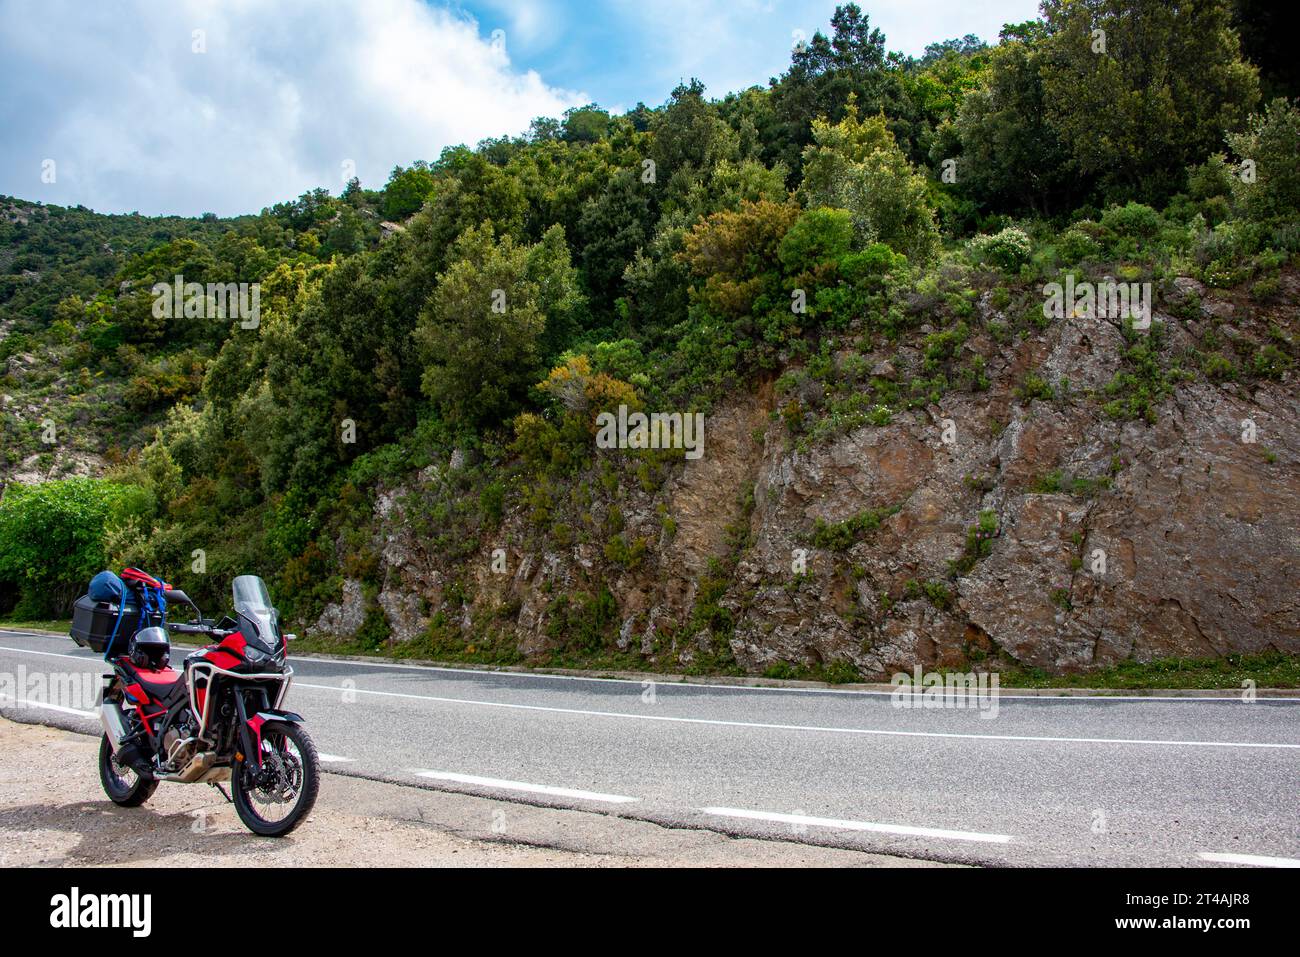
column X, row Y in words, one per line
column 832, row 268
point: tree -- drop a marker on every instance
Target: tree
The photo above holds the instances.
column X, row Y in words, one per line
column 585, row 124
column 856, row 165
column 407, row 190
column 740, row 300
column 1139, row 90
column 480, row 336
column 1270, row 144
column 339, row 353
column 470, row 191
column 737, row 255
column 1267, row 42
column 824, row 72
column 1011, row 160
column 689, row 135
column 613, row 226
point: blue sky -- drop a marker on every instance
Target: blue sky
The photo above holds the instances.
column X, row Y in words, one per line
column 623, row 51
column 190, row 106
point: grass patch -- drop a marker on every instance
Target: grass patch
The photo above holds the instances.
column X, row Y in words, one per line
column 1270, row 670
column 840, row 536
column 55, row 624
column 838, row 672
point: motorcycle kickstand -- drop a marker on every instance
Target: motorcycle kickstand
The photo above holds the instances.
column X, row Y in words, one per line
column 223, row 792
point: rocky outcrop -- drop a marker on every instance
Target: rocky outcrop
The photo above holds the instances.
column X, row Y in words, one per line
column 1099, row 538
column 343, row 619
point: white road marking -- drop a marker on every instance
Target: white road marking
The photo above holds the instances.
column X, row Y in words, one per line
column 839, row 825
column 1255, row 860
column 687, row 685
column 1158, row 742
column 798, row 727
column 27, row 703
column 330, row 757
column 54, row 654
column 523, row 786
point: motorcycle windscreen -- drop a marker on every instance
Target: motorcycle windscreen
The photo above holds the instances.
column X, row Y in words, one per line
column 257, row 618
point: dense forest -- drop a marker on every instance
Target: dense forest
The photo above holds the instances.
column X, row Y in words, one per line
column 468, row 321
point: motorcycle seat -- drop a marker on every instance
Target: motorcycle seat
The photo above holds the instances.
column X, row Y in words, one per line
column 160, row 684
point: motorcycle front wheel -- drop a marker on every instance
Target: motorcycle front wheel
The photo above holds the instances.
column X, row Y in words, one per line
column 272, row 800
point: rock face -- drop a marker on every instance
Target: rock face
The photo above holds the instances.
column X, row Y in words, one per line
column 1107, row 539
column 343, row 619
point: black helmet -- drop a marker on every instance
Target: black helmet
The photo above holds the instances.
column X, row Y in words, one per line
column 150, row 648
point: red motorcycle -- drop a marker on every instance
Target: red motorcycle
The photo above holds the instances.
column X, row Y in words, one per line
column 219, row 719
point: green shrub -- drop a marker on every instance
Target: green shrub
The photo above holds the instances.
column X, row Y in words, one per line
column 1270, row 362
column 840, row 536
column 1133, row 221
column 1036, row 387
column 1270, row 145
column 1008, row 250
column 1075, row 245
column 52, row 538
column 1218, row 367
column 584, row 622
column 979, row 543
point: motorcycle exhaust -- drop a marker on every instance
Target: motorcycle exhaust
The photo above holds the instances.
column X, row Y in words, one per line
column 110, row 716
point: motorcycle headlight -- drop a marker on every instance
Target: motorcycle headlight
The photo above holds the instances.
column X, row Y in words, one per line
column 256, row 656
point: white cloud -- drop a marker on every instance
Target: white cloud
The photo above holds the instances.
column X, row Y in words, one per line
column 284, row 95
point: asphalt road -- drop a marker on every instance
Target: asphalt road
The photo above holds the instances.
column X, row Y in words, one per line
column 1068, row 781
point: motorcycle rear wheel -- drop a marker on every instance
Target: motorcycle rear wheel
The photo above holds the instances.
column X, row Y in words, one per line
column 290, row 752
column 124, row 786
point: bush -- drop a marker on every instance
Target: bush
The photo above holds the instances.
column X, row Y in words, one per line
column 1134, row 221
column 1075, row 245
column 1270, row 362
column 840, row 536
column 1008, row 250
column 1211, row 179
column 1270, row 144
column 52, row 538
column 818, row 236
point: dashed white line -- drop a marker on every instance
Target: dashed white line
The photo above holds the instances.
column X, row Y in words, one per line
column 1254, row 860
column 330, row 757
column 839, row 825
column 523, row 786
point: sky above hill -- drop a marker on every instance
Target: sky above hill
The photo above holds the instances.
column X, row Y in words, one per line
column 192, row 106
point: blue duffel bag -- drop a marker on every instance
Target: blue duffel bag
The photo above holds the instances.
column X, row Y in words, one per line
column 107, row 587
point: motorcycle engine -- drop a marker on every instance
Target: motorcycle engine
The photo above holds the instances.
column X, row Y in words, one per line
column 179, row 743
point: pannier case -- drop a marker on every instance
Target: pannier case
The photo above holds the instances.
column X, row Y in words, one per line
column 93, row 622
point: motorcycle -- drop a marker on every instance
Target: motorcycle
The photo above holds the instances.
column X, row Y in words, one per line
column 219, row 719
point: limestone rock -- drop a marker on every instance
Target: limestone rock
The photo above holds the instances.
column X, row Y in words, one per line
column 343, row 619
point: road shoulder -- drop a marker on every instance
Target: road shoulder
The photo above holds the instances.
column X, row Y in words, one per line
column 53, row 813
